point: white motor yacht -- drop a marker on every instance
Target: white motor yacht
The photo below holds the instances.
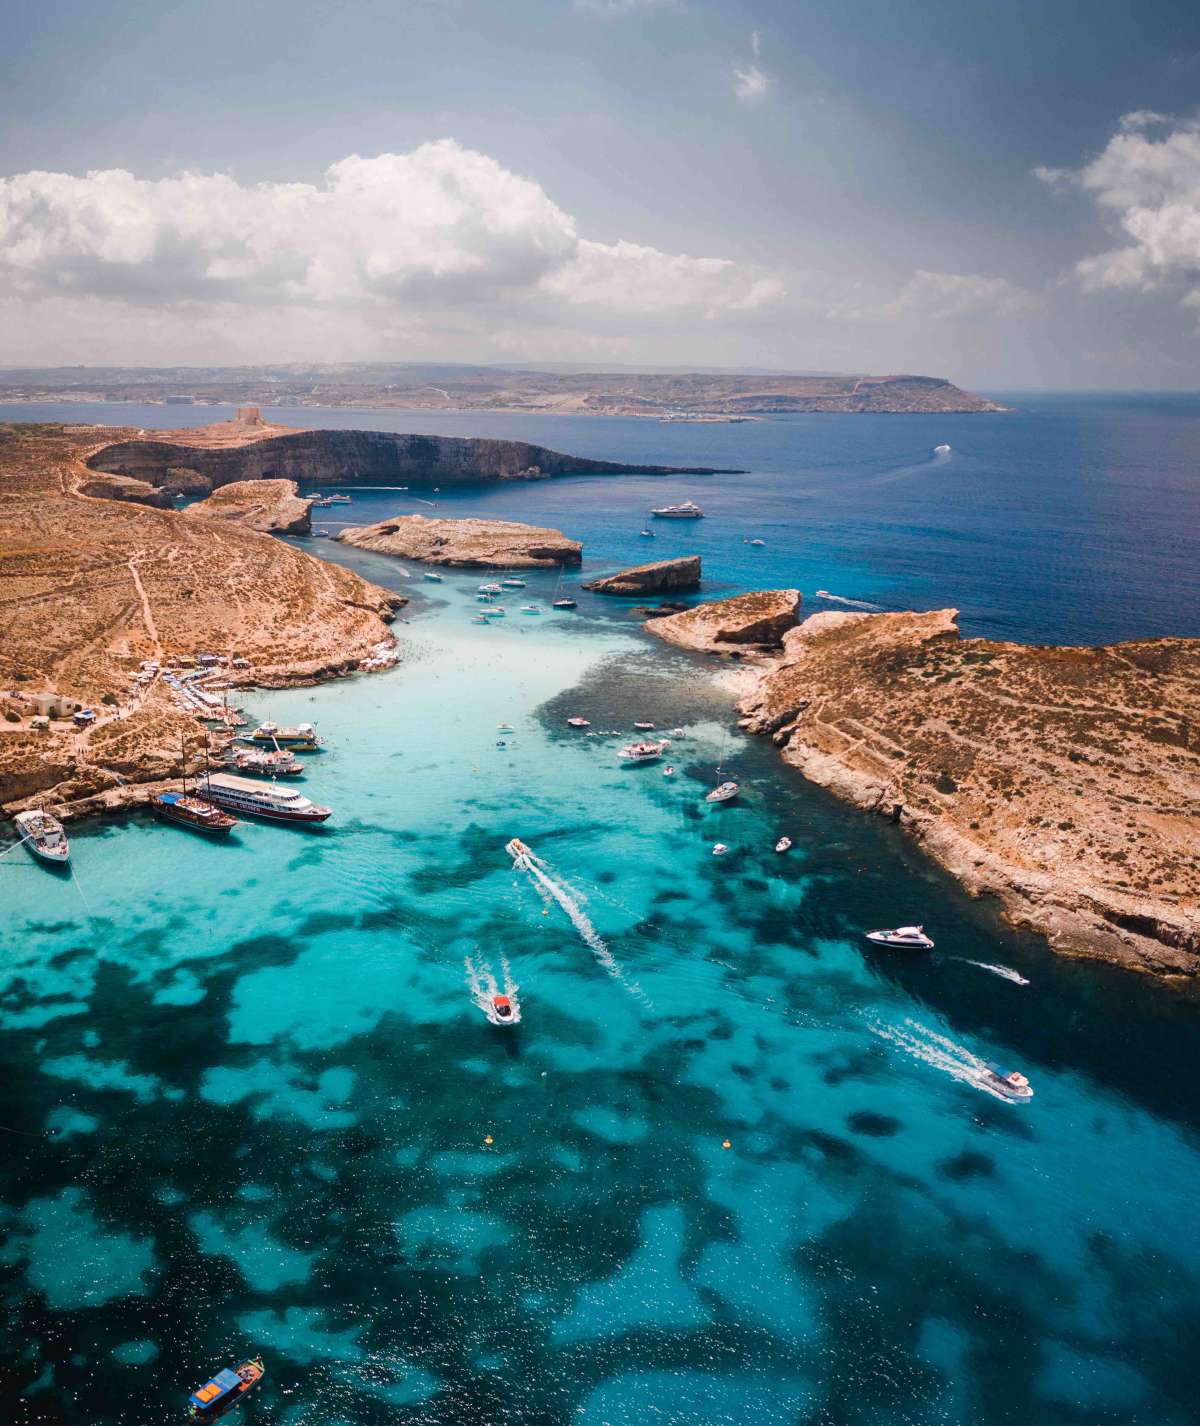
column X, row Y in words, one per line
column 685, row 510
column 912, row 938
column 44, row 836
column 719, row 849
column 578, row 723
column 512, row 582
column 724, row 793
column 643, row 752
column 432, row 577
column 783, row 844
column 1012, row 1085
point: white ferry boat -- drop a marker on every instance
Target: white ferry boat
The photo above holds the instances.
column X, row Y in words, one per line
column 685, row 510
column 647, row 752
column 260, row 799
column 44, row 836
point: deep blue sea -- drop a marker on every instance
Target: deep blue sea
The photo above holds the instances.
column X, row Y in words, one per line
column 733, row 1165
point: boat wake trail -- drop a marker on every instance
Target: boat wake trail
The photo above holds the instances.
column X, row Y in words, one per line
column 942, row 1053
column 1004, row 972
column 481, row 982
column 850, row 603
column 557, row 889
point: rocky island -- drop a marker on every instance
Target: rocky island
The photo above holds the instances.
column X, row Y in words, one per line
column 467, row 544
column 671, row 576
column 1063, row 781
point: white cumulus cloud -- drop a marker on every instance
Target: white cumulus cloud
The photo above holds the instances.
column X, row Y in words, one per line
column 750, row 80
column 442, row 235
column 1147, row 180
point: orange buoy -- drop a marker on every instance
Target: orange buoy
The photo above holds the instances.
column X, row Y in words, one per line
column 725, row 1144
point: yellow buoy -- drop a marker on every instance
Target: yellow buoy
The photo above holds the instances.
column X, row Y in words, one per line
column 487, row 1139
column 725, row 1144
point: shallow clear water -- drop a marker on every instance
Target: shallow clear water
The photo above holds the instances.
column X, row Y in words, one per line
column 270, row 1094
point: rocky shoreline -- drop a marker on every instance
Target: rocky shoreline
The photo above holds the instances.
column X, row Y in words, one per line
column 1065, row 782
column 466, row 543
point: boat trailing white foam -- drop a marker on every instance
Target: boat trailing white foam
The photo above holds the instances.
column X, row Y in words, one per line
column 942, row 1053
column 849, row 603
column 499, row 1006
column 1004, row 972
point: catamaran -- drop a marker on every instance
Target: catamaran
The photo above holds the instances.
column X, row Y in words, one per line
column 685, row 510
column 261, row 799
column 44, row 836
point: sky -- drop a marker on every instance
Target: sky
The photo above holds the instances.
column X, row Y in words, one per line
column 1002, row 192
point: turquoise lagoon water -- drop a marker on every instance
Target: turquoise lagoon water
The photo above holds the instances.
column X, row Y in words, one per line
column 256, row 1107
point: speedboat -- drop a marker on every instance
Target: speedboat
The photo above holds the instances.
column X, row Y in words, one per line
column 912, row 938
column 1012, row 1085
column 646, row 534
column 644, row 727
column 44, row 836
column 578, row 723
column 758, row 542
column 521, row 854
column 433, row 577
column 685, row 510
column 513, row 583
column 724, row 793
column 485, row 598
column 668, row 772
column 719, row 849
column 505, row 728
column 502, row 1010
column 783, row 844
column 490, row 588
column 564, row 604
column 643, row 752
column 530, row 609
column 494, row 611
column 193, row 812
column 479, row 619
column 339, row 500
column 226, row 1390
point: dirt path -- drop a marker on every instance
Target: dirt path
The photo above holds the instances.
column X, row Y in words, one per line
column 147, row 612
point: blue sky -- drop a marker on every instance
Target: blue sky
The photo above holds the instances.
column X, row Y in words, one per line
column 951, row 188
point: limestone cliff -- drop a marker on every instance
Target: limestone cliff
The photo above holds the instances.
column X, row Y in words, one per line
column 661, row 577
column 748, row 621
column 271, row 506
column 467, row 544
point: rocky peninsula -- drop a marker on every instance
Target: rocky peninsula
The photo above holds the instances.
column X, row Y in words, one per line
column 1063, row 781
column 673, row 576
column 467, row 544
column 270, row 506
column 91, row 586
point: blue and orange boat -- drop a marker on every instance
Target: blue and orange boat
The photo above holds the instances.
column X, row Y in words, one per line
column 226, row 1390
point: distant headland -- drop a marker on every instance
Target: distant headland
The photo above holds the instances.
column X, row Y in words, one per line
column 661, row 395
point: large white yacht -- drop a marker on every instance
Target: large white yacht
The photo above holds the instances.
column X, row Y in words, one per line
column 260, row 799
column 685, row 510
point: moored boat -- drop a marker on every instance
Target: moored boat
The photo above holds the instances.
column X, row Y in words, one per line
column 719, row 849
column 226, row 1390
column 277, row 763
column 783, row 844
column 724, row 793
column 43, row 834
column 301, row 739
column 911, row 938
column 564, row 604
column 643, row 752
column 512, row 582
column 433, row 577
column 261, row 799
column 193, row 812
column 685, row 510
column 578, row 723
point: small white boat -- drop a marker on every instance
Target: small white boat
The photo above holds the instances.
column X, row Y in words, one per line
column 502, row 1011
column 758, row 542
column 433, row 578
column 43, row 834
column 564, row 604
column 479, row 619
column 643, row 752
column 530, row 609
column 513, row 583
column 678, row 733
column 719, row 849
column 485, row 598
column 912, row 938
column 644, row 727
column 783, row 844
column 668, row 772
column 505, row 728
column 724, row 793
column 494, row 611
column 339, row 499
column 1012, row 1085
column 647, row 534
column 943, row 450
column 492, row 588
column 578, row 723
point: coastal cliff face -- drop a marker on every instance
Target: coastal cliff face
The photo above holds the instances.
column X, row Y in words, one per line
column 746, row 623
column 91, row 586
column 467, row 544
column 1064, row 781
column 270, row 506
column 661, row 577
column 347, row 458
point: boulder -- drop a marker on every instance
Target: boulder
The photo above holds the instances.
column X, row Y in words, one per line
column 759, row 620
column 661, row 577
column 467, row 544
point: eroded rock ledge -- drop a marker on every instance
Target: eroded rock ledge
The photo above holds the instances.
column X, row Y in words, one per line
column 1064, row 781
column 661, row 577
column 467, row 544
column 746, row 623
column 271, row 506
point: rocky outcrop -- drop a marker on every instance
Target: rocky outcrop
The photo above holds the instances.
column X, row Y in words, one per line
column 749, row 621
column 117, row 487
column 661, row 577
column 182, row 481
column 271, row 506
column 1064, row 781
column 467, row 544
column 231, row 452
